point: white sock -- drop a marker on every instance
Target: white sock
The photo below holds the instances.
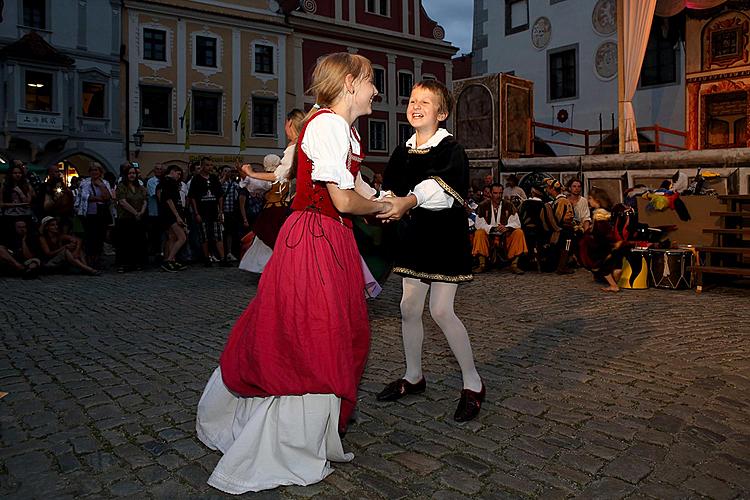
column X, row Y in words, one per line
column 412, row 332
column 442, row 296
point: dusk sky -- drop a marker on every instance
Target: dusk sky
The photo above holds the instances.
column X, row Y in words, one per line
column 455, row 16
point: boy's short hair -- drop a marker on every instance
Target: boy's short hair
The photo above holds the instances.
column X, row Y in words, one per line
column 441, row 91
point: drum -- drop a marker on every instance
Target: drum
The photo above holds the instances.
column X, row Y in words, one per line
column 671, row 268
column 635, row 270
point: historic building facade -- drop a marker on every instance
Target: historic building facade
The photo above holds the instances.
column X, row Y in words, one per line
column 403, row 43
column 60, row 65
column 205, row 78
column 568, row 48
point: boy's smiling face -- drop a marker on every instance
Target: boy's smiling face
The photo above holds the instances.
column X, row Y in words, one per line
column 423, row 111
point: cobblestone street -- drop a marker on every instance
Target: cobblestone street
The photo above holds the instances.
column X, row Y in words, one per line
column 641, row 394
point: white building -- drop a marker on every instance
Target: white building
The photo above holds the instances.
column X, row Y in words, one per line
column 60, row 66
column 568, row 48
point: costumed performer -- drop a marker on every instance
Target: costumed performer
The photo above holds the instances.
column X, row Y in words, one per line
column 286, row 384
column 432, row 251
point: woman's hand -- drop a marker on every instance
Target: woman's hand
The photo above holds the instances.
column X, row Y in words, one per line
column 398, row 207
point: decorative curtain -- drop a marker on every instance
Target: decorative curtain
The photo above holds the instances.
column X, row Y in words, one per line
column 667, row 8
column 636, row 24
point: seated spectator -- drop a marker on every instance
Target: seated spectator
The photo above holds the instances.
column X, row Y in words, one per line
column 559, row 220
column 61, row 251
column 581, row 212
column 531, row 214
column 130, row 231
column 499, row 234
column 17, row 198
column 512, row 188
column 21, row 255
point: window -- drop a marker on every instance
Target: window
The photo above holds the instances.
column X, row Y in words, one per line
column 379, row 79
column 264, row 59
column 206, row 112
column 92, row 100
column 378, row 136
column 563, row 74
column 516, row 16
column 377, row 7
column 156, row 106
column 405, row 83
column 154, row 44
column 38, row 91
column 404, row 132
column 35, row 14
column 205, row 51
column 264, row 116
column 660, row 61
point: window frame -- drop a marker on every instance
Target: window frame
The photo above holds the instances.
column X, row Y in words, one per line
column 674, row 51
column 168, row 103
column 272, row 55
column 375, row 69
column 105, row 108
column 45, row 14
column 370, row 130
column 399, row 126
column 196, row 51
column 577, row 68
column 199, row 93
column 398, row 83
column 378, row 10
column 143, row 42
column 256, row 99
column 52, row 94
column 509, row 29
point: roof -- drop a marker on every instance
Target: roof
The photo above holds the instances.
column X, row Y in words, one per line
column 32, row 47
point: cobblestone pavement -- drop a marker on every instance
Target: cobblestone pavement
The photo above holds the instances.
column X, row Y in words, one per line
column 637, row 394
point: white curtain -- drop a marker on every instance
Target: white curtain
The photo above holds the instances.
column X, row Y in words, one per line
column 636, row 23
column 667, row 8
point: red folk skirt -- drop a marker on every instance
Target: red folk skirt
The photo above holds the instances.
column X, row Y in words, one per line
column 307, row 330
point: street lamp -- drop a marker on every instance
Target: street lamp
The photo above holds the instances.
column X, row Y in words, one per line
column 138, row 138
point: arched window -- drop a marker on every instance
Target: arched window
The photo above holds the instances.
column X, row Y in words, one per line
column 474, row 117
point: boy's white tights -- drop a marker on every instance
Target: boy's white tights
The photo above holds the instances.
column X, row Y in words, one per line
column 441, row 309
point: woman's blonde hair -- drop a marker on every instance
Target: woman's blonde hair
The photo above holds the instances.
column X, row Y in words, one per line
column 296, row 117
column 329, row 75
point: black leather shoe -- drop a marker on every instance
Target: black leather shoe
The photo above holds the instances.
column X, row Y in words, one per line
column 469, row 405
column 400, row 388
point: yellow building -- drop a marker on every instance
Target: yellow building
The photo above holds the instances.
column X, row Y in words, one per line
column 203, row 78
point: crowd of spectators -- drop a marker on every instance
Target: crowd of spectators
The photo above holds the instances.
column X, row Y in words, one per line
column 170, row 219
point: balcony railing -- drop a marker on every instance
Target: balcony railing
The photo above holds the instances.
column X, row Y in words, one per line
column 586, row 142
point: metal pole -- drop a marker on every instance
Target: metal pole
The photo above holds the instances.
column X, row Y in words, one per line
column 621, row 74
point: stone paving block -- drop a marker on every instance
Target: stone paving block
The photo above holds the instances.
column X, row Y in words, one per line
column 189, row 448
column 525, row 406
column 513, row 484
column 152, row 474
column 628, row 468
column 710, row 487
column 417, row 462
column 467, row 463
column 382, row 487
column 607, row 487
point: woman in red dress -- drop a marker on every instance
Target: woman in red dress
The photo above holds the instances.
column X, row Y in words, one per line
column 287, row 381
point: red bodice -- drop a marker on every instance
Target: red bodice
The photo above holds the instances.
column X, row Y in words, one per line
column 313, row 195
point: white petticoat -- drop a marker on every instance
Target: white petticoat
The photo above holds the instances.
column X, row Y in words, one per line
column 256, row 257
column 269, row 442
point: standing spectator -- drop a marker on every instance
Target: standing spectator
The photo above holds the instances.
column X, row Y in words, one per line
column 60, row 250
column 130, row 234
column 155, row 242
column 17, row 197
column 171, row 214
column 36, row 185
column 581, row 211
column 93, row 205
column 513, row 189
column 377, row 182
column 230, row 191
column 58, row 199
column 206, row 200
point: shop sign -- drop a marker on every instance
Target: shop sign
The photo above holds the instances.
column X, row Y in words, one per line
column 44, row 121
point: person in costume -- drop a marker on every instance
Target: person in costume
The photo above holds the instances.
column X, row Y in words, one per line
column 432, row 250
column 286, row 384
column 600, row 247
column 277, row 199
